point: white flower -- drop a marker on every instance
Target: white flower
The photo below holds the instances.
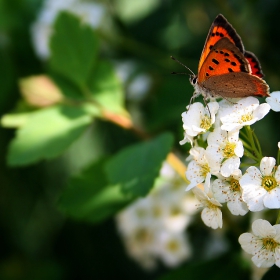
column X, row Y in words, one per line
column 136, row 226
column 263, row 244
column 261, row 188
column 198, row 170
column 211, row 214
column 172, row 248
column 274, row 101
column 154, row 227
column 228, row 190
column 245, row 112
column 224, row 151
column 197, row 120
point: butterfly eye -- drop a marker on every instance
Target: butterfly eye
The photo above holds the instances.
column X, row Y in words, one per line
column 193, row 80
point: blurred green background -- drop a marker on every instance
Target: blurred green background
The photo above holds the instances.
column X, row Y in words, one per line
column 138, row 37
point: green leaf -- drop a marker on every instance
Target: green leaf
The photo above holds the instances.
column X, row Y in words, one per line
column 14, row 120
column 106, row 88
column 137, row 167
column 73, row 49
column 46, row 134
column 88, row 196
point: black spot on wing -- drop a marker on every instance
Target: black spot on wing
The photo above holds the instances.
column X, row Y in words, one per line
column 215, row 61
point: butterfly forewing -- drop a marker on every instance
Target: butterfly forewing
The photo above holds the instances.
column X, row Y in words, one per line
column 220, row 28
column 223, row 58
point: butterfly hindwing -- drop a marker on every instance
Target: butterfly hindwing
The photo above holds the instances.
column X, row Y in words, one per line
column 220, row 28
column 256, row 69
column 236, row 85
column 223, row 58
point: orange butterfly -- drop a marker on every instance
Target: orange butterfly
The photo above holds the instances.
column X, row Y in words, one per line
column 225, row 69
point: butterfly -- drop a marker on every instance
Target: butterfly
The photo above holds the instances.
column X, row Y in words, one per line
column 225, row 69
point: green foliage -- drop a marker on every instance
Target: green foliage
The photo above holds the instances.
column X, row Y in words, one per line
column 108, row 185
column 46, row 134
column 136, row 168
column 105, row 88
column 74, row 49
column 57, row 224
column 89, row 197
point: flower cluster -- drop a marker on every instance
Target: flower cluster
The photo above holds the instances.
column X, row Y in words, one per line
column 154, row 227
column 220, row 136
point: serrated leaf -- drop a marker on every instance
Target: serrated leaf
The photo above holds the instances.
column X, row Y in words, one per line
column 136, row 168
column 46, row 134
column 88, row 196
column 73, row 49
column 106, row 88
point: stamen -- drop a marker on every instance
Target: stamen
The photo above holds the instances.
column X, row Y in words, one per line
column 269, row 183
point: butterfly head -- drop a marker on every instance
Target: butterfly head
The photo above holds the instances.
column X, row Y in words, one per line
column 193, row 79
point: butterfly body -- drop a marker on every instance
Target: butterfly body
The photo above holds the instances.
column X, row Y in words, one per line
column 225, row 69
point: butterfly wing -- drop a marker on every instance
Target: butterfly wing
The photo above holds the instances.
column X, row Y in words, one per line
column 223, row 58
column 227, row 73
column 220, row 28
column 254, row 63
column 236, row 85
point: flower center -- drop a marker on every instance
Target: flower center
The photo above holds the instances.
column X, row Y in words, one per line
column 172, row 246
column 205, row 169
column 142, row 235
column 175, row 211
column 205, row 123
column 229, row 150
column 246, row 118
column 269, row 183
column 234, row 185
column 157, row 211
column 270, row 244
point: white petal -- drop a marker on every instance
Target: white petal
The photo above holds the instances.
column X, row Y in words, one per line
column 272, row 199
column 239, row 150
column 207, row 182
column 212, row 217
column 274, row 101
column 277, row 256
column 237, row 207
column 262, row 228
column 187, row 139
column 264, row 258
column 277, row 174
column 261, row 111
column 253, row 192
column 200, row 195
column 230, row 166
column 277, row 235
column 249, row 242
column 266, row 166
column 220, row 188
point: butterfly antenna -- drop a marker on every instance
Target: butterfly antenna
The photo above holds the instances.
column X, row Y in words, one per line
column 172, row 57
